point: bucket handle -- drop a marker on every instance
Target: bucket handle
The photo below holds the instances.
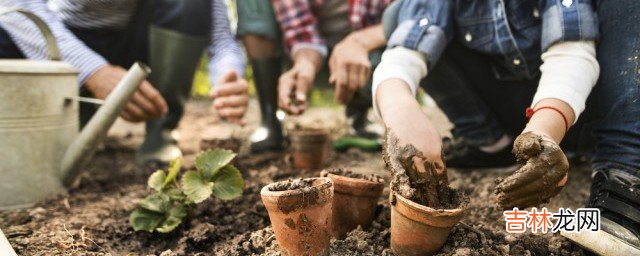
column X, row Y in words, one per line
column 52, row 45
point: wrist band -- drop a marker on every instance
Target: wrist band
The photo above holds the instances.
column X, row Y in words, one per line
column 529, row 113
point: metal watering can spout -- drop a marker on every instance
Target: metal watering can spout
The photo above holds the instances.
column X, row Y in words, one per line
column 85, row 144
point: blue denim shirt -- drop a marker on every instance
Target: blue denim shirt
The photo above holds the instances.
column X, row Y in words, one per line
column 513, row 32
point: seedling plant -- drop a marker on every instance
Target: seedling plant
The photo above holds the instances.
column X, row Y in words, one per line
column 168, row 206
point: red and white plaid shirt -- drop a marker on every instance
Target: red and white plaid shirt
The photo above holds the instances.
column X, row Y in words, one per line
column 297, row 19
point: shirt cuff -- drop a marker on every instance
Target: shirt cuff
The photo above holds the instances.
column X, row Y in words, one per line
column 320, row 48
column 569, row 72
column 88, row 64
column 415, row 35
column 401, row 63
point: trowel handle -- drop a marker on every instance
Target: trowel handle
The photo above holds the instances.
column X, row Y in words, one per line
column 84, row 145
column 52, row 45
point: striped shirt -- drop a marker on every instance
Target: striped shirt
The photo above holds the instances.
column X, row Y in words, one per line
column 224, row 52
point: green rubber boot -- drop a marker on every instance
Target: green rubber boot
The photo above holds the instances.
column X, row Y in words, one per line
column 173, row 59
column 268, row 137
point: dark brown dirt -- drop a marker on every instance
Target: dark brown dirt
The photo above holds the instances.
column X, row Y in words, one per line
column 93, row 218
column 418, row 179
column 351, row 174
column 291, row 184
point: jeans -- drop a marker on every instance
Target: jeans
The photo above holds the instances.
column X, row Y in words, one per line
column 618, row 135
column 483, row 108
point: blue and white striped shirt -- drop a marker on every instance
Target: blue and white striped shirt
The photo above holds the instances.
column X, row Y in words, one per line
column 224, row 52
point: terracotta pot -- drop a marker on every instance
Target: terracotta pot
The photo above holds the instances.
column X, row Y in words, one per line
column 301, row 218
column 420, row 230
column 232, row 144
column 354, row 203
column 309, row 148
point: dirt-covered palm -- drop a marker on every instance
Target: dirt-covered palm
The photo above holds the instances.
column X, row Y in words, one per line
column 542, row 175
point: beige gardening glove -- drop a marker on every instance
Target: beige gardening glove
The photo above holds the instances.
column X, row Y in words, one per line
column 541, row 177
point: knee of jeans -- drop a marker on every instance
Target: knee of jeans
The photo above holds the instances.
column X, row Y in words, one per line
column 187, row 16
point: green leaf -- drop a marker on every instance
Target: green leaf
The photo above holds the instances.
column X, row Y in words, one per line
column 211, row 161
column 174, row 169
column 156, row 202
column 173, row 219
column 146, row 220
column 175, row 194
column 195, row 187
column 228, row 183
column 156, row 180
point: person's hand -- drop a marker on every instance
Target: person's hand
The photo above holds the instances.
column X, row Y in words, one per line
column 145, row 104
column 294, row 85
column 230, row 98
column 350, row 69
column 542, row 176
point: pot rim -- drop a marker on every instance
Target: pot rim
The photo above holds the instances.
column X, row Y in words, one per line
column 265, row 192
column 356, row 186
column 310, row 132
column 426, row 209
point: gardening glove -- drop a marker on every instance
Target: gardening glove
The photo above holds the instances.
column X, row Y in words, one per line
column 542, row 175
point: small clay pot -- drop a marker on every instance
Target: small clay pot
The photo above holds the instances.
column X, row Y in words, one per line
column 354, row 203
column 420, row 230
column 301, row 218
column 309, row 148
column 232, row 144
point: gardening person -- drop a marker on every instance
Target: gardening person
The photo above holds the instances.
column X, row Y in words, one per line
column 99, row 38
column 485, row 62
column 347, row 32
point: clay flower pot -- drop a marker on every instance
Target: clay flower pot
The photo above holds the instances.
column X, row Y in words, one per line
column 420, row 230
column 309, row 148
column 301, row 217
column 354, row 203
column 232, row 144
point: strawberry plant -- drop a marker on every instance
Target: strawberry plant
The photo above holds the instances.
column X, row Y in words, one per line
column 166, row 208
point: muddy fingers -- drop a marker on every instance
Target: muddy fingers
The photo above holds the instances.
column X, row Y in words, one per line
column 545, row 167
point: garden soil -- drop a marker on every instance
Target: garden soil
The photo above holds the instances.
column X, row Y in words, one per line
column 93, row 218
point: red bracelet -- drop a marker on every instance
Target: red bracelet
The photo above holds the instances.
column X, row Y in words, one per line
column 529, row 113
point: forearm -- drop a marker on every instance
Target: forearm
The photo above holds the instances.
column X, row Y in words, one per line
column 394, row 95
column 309, row 58
column 29, row 39
column 548, row 121
column 569, row 72
column 370, row 38
column 224, row 51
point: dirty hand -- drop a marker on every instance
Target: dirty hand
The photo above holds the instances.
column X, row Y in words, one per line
column 294, row 85
column 230, row 97
column 542, row 176
column 145, row 104
column 350, row 69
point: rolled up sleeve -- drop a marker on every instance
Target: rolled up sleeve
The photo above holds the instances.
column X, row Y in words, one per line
column 421, row 25
column 567, row 20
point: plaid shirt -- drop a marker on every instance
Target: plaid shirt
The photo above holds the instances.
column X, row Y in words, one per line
column 297, row 19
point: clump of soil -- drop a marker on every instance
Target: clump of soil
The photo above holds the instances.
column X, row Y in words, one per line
column 416, row 178
column 291, row 184
column 350, row 174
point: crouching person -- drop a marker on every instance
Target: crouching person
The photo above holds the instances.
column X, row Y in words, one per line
column 99, row 38
column 331, row 41
column 485, row 64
